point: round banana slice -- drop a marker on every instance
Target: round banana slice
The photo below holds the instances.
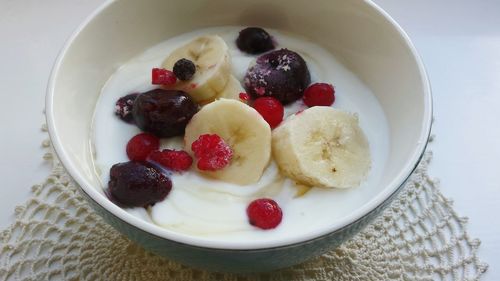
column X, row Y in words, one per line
column 232, row 90
column 323, row 147
column 246, row 132
column 211, row 56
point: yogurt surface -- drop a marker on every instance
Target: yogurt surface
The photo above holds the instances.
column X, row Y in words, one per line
column 216, row 210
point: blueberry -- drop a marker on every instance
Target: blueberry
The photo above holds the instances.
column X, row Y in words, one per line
column 136, row 184
column 254, row 40
column 282, row 74
column 184, row 69
column 164, row 113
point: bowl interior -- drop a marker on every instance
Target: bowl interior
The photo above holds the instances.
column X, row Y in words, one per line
column 362, row 37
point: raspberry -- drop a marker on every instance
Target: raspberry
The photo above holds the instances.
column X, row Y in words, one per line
column 244, row 97
column 141, row 145
column 160, row 76
column 184, row 69
column 212, row 151
column 174, row 160
column 124, row 106
column 264, row 213
column 271, row 110
column 319, row 94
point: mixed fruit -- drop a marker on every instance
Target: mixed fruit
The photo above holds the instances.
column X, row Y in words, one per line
column 231, row 132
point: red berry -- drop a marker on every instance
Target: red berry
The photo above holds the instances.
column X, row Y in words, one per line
column 141, row 145
column 212, row 151
column 264, row 213
column 319, row 94
column 174, row 160
column 160, row 76
column 244, row 96
column 271, row 110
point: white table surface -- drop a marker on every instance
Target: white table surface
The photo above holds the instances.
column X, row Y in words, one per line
column 459, row 42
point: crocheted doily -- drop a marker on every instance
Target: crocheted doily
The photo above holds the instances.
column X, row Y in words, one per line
column 57, row 236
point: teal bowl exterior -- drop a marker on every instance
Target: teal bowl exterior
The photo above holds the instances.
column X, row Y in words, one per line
column 239, row 261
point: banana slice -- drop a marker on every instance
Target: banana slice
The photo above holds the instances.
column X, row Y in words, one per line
column 242, row 127
column 323, row 147
column 211, row 56
column 232, row 90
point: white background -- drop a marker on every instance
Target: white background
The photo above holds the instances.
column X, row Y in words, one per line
column 459, row 42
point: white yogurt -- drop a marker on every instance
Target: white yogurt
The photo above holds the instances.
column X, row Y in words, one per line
column 214, row 209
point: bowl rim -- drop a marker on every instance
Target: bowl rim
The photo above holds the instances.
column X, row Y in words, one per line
column 202, row 242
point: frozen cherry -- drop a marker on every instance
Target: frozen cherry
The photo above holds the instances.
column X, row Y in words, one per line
column 175, row 160
column 137, row 184
column 123, row 107
column 264, row 213
column 270, row 109
column 319, row 94
column 141, row 145
column 164, row 113
column 254, row 40
column 282, row 74
column 184, row 69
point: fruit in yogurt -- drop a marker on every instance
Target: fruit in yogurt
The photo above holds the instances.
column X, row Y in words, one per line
column 254, row 40
column 319, row 94
column 282, row 74
column 123, row 107
column 243, row 129
column 244, row 97
column 264, row 213
column 174, row 160
column 232, row 90
column 137, row 184
column 210, row 55
column 160, row 76
column 141, row 145
column 271, row 110
column 164, row 113
column 184, row 69
column 323, row 147
column 212, row 152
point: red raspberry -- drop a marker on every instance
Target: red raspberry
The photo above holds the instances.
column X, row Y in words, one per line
column 160, row 76
column 175, row 160
column 212, row 151
column 244, row 97
column 141, row 145
column 264, row 213
column 271, row 110
column 319, row 94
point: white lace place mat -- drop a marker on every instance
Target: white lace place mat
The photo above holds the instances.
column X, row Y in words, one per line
column 57, row 236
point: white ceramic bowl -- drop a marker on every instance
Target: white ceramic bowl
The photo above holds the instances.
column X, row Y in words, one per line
column 360, row 34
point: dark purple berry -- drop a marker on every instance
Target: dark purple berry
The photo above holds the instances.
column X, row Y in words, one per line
column 184, row 69
column 136, row 184
column 282, row 74
column 164, row 113
column 124, row 106
column 254, row 40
